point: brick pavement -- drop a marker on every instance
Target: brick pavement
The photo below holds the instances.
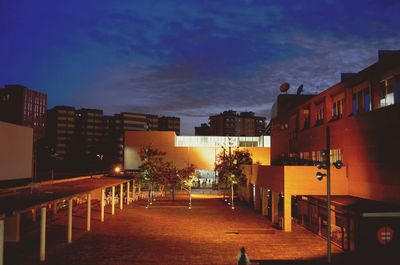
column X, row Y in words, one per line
column 167, row 233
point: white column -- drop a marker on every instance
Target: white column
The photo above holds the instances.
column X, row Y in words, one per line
column 102, row 206
column 69, row 220
column 113, row 200
column 121, row 196
column 133, row 190
column 89, row 198
column 287, row 213
column 43, row 234
column 2, row 217
column 127, row 193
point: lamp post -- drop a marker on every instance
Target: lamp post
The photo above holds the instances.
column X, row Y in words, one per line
column 232, row 182
column 327, row 166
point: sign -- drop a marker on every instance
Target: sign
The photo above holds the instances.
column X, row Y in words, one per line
column 385, row 235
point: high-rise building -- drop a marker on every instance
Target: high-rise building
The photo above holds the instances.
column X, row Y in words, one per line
column 23, row 106
column 90, row 130
column 60, row 129
column 232, row 123
column 169, row 124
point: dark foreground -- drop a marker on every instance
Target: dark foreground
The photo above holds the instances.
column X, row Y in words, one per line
column 170, row 233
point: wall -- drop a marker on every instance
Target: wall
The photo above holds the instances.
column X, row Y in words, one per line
column 370, row 144
column 201, row 157
column 16, row 143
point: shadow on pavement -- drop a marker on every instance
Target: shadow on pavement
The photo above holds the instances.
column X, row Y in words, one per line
column 344, row 258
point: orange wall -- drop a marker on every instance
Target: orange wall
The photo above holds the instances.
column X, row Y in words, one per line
column 15, row 151
column 297, row 180
column 370, row 143
column 301, row 180
column 201, row 157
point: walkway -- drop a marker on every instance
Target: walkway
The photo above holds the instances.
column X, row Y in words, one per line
column 167, row 233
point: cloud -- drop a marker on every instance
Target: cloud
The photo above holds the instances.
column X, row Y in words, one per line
column 188, row 58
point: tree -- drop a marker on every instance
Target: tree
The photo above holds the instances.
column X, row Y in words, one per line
column 170, row 177
column 229, row 167
column 187, row 176
column 151, row 167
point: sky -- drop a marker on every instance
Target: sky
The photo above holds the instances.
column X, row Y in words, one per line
column 188, row 58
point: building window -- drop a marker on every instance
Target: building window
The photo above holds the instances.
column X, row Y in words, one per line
column 336, row 154
column 319, row 118
column 337, row 110
column 386, row 92
column 361, row 101
column 306, row 113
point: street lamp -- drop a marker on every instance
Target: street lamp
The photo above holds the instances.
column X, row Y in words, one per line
column 232, row 182
column 319, row 175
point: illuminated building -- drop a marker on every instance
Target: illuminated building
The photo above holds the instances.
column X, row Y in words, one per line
column 363, row 113
column 198, row 150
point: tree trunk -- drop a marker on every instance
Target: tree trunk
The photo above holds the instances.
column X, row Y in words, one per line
column 173, row 193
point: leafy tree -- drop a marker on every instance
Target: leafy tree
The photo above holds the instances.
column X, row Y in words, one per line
column 169, row 177
column 229, row 165
column 187, row 176
column 152, row 166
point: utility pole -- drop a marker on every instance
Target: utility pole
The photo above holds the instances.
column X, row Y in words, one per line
column 328, row 189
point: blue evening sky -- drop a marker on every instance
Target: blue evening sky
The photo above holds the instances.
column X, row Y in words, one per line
column 188, row 58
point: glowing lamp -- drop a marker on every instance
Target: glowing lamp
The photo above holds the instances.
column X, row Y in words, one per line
column 117, row 170
column 338, row 164
column 320, row 175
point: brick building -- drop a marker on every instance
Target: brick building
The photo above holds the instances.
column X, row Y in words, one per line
column 362, row 112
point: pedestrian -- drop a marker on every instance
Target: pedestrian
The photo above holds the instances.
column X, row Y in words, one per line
column 242, row 258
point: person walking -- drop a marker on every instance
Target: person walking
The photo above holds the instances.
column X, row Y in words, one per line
column 242, row 258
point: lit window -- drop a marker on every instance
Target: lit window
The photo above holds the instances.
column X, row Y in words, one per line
column 386, row 92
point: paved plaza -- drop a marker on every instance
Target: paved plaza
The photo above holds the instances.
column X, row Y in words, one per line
column 167, row 233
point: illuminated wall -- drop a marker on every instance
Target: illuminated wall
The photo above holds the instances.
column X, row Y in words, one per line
column 15, row 151
column 198, row 151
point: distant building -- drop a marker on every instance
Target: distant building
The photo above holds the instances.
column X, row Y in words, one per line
column 169, row 124
column 232, row 123
column 23, row 106
column 85, row 139
column 60, row 129
column 202, row 130
column 90, row 130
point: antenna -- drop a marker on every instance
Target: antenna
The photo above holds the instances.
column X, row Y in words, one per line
column 299, row 89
